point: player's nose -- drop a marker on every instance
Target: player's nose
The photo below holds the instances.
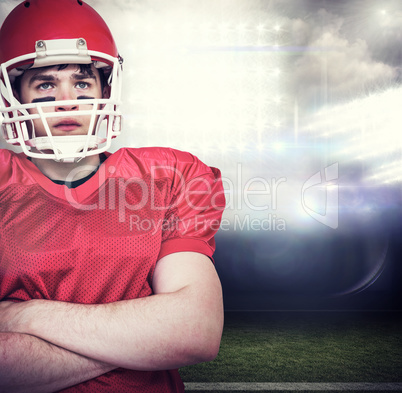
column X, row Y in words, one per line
column 65, row 93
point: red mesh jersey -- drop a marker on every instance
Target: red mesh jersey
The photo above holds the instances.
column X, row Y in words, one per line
column 99, row 242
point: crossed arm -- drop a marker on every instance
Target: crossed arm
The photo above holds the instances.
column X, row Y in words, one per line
column 29, row 364
column 180, row 324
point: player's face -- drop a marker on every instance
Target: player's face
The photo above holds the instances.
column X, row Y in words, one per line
column 51, row 84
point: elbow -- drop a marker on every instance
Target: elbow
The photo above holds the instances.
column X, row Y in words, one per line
column 198, row 354
column 202, row 331
column 210, row 352
column 207, row 334
column 204, row 346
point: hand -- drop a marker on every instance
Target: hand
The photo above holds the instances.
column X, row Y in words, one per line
column 10, row 316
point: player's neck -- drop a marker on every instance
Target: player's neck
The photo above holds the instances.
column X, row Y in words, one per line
column 67, row 171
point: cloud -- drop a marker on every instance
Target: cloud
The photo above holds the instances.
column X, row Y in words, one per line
column 333, row 66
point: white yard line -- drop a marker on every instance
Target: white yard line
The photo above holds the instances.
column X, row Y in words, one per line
column 294, row 386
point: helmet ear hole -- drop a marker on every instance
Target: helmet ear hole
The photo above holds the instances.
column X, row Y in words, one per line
column 79, row 2
column 27, row 4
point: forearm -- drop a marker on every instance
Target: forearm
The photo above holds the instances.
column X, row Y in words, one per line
column 29, row 364
column 154, row 333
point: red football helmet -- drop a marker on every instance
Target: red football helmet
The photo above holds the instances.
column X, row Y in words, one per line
column 42, row 33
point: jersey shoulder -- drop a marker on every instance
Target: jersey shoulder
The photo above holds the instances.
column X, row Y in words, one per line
column 11, row 170
column 155, row 159
column 158, row 154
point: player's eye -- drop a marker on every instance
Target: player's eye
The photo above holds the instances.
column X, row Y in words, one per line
column 45, row 86
column 82, row 85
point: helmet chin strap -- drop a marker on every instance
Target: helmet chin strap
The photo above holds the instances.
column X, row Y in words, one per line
column 66, row 147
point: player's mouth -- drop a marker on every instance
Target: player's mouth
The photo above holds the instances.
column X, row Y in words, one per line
column 67, row 125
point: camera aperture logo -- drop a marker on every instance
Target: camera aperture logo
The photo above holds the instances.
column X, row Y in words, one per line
column 330, row 215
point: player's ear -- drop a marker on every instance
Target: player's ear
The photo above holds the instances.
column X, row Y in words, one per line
column 16, row 94
column 106, row 91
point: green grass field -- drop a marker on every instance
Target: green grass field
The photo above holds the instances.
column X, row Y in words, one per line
column 306, row 347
